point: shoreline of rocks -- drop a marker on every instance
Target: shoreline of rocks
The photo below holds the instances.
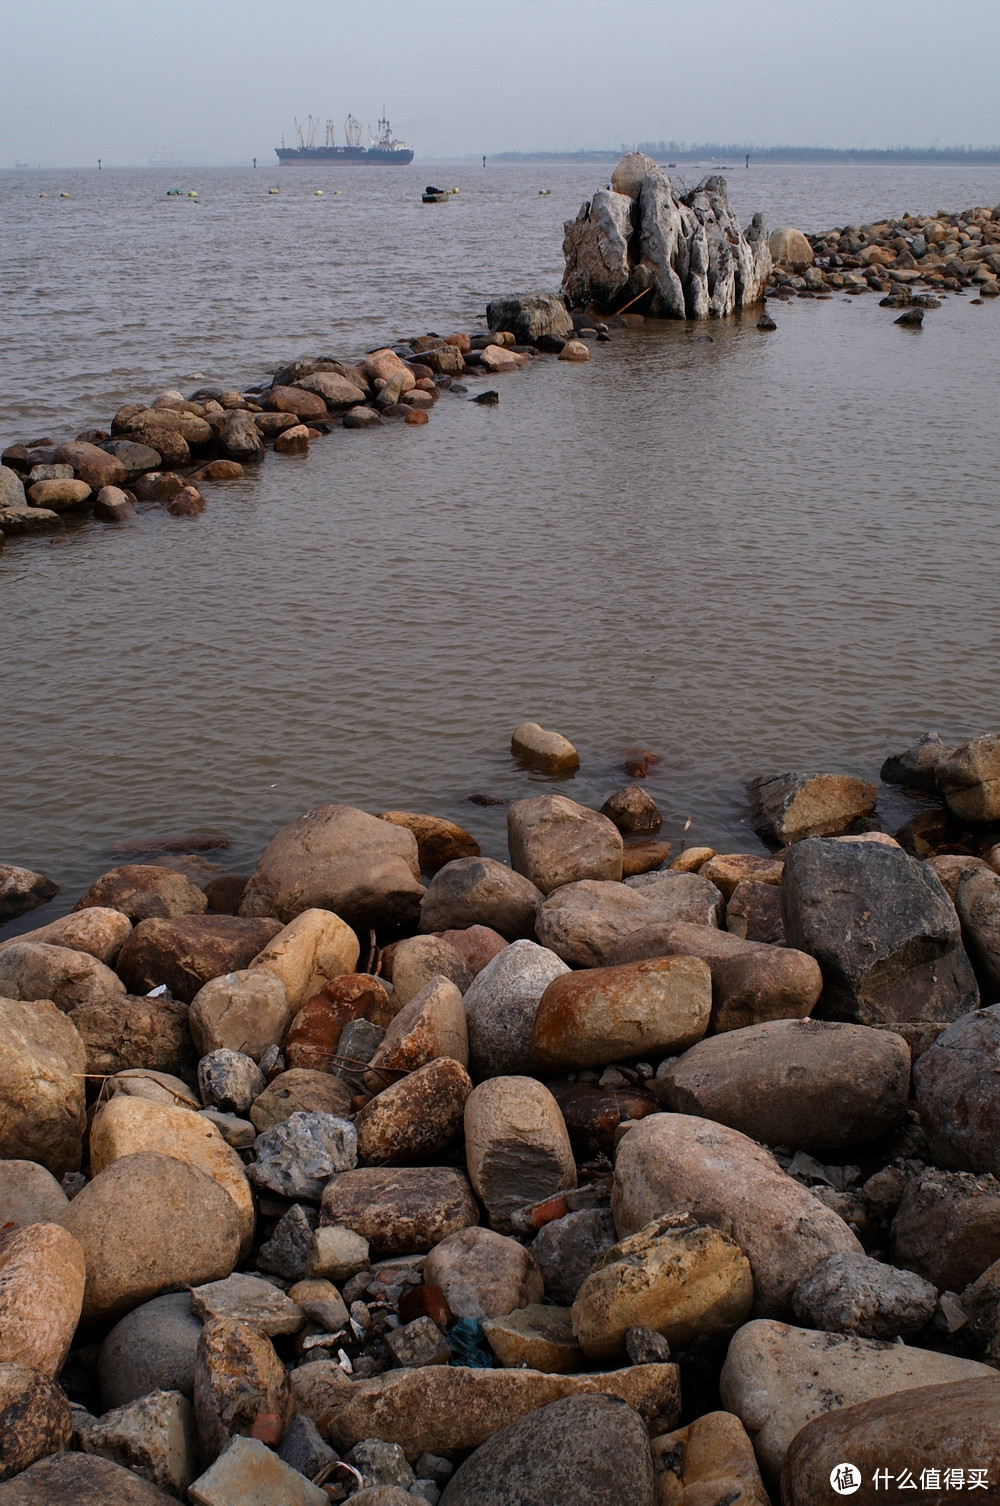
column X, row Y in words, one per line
column 392, row 1173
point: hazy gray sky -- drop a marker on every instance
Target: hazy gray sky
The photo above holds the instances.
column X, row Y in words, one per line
column 220, row 80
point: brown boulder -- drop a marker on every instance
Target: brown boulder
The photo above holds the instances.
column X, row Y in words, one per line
column 477, row 945
column 400, row 1210
column 314, row 1034
column 42, row 1062
column 144, row 891
column 610, row 1014
column 239, row 439
column 480, row 892
column 42, row 1278
column 416, row 1118
column 643, row 857
column 185, row 953
column 584, row 922
column 36, row 970
column 337, row 391
column 969, row 779
column 483, row 1274
column 91, row 464
column 100, row 932
column 295, row 400
column 132, row 1031
column 516, row 1145
column 238, row 1377
column 300, row 1090
column 753, row 912
column 431, row 1025
column 35, row 1419
column 57, row 496
column 632, row 809
column 947, row 1227
column 438, row 841
column 22, row 890
column 554, row 841
column 80, row 1480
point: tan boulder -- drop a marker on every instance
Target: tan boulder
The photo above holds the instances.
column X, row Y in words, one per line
column 56, row 496
column 969, row 779
column 36, row 970
column 681, row 1163
column 710, row 1461
column 483, row 1274
column 36, row 1421
column 445, row 1409
column 587, row 1019
column 418, row 959
column 777, row 1378
column 144, row 891
column 100, row 931
column 42, row 1062
column 643, row 857
column 300, row 1089
column 480, row 891
column 400, row 1210
column 128, row 1126
column 548, row 751
column 431, row 1025
column 127, row 1033
column 809, row 1084
column 516, row 1146
column 386, row 364
column 313, row 948
column 245, row 1011
column 336, row 391
column 692, row 859
column 153, row 1437
column 417, row 1118
column 341, row 859
column 438, row 841
column 786, row 808
column 29, row 1195
column 790, row 248
column 41, row 1296
column 727, row 869
column 147, row 1223
column 186, row 952
column 554, row 841
column 584, row 922
column 237, row 1378
column 676, row 1276
column 79, row 1480
column 536, row 1337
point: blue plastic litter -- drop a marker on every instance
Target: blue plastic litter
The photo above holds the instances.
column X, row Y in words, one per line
column 469, row 1344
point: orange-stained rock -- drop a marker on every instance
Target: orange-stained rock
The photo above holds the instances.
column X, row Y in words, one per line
column 36, row 1421
column 42, row 1277
column 237, row 1377
column 416, row 1118
column 692, row 859
column 643, row 857
column 608, row 1014
column 315, row 1032
column 432, row 1024
column 726, row 869
column 438, row 841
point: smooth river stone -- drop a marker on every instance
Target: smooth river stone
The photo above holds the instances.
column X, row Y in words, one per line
column 516, row 1145
column 654, row 1008
column 554, row 841
column 500, row 1008
column 403, row 1210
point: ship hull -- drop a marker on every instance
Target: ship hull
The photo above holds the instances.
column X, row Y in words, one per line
column 351, row 156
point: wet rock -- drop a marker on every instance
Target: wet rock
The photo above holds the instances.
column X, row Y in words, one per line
column 36, row 1418
column 18, row 520
column 539, row 749
column 58, row 496
column 229, row 1080
column 29, row 1195
column 151, row 1349
column 480, row 891
column 790, row 247
column 36, row 970
column 711, row 1461
column 297, row 1157
column 882, row 929
column 361, row 417
column 753, row 913
column 237, row 1378
column 516, row 1144
column 22, row 890
column 851, row 1293
column 932, row 1429
column 149, row 1222
column 188, row 951
column 249, row 1471
column 127, row 1126
column 250, row 1300
column 728, row 869
column 418, row 959
column 337, row 391
column 536, row 1337
column 188, row 503
column 958, row 1093
column 314, row 948
column 809, row 1084
column 777, row 1378
column 969, row 779
column 300, row 1090
column 676, row 1276
column 144, row 891
column 616, row 1013
column 400, row 1210
column 483, row 1274
column 947, row 1227
column 152, row 1437
column 643, row 857
column 304, row 404
column 97, row 467
column 240, row 439
column 126, row 1033
column 681, row 1163
column 574, row 350
column 500, row 1008
column 916, row 767
column 136, row 458
column 632, row 810
column 113, row 505
column 584, row 922
column 529, row 315
column 340, row 859
column 977, row 900
column 416, row 1118
column 42, row 1061
column 161, row 486
column 445, row 1409
column 594, row 1113
column 566, row 1250
column 786, row 808
column 553, row 841
column 438, row 841
column 496, row 358
column 41, row 1296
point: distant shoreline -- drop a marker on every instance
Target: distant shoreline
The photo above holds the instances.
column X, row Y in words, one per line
column 736, row 155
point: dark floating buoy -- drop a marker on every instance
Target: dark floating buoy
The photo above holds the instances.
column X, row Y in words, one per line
column 766, row 322
column 911, row 318
column 488, row 399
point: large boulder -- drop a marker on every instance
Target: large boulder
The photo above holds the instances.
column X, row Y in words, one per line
column 128, row 1033
column 238, row 1377
column 969, row 779
column 431, row 1025
column 438, row 841
column 516, row 1146
column 36, row 970
column 957, row 1089
column 581, row 1451
column 188, row 951
column 809, row 1084
column 416, row 1118
column 152, row 1348
column 529, row 315
column 681, row 1163
column 882, row 929
column 312, row 949
column 245, row 1011
column 144, row 891
column 101, row 932
column 147, row 1223
column 483, row 1274
column 554, row 841
column 29, row 1195
column 41, row 1296
column 583, row 923
column 400, row 1210
column 338, row 858
column 777, row 1378
column 480, row 892
column 977, row 900
column 947, row 1227
column 500, row 1007
column 42, row 1098
column 788, row 807
column 609, row 1014
column 790, row 248
column 81, row 1480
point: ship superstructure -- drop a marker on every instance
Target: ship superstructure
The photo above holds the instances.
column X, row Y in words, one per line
column 383, row 149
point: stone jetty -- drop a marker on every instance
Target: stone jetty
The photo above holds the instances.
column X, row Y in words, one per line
column 393, row 1173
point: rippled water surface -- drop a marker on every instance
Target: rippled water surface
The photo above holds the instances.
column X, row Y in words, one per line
column 745, row 551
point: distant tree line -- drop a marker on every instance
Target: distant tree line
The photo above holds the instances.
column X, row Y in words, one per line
column 683, row 151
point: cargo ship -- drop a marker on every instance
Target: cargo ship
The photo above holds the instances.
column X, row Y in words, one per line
column 383, row 150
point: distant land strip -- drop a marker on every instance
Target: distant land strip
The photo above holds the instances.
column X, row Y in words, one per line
column 733, row 154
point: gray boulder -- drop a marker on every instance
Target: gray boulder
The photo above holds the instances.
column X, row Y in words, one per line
column 500, row 1008
column 969, row 779
column 565, row 1251
column 529, row 315
column 12, row 487
column 480, row 891
column 851, row 1293
column 151, row 1349
column 957, row 1088
column 916, row 767
column 882, row 929
column 297, row 1157
column 977, row 900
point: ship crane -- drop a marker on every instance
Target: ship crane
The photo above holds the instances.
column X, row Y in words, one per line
column 331, row 137
column 352, row 130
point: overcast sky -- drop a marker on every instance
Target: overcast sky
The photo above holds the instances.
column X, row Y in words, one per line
column 221, row 80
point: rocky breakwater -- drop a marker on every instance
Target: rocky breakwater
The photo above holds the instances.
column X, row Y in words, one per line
column 166, row 452
column 640, row 245
column 428, row 1177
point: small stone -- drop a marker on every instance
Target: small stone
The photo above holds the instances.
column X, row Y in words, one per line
column 548, row 751
column 632, row 809
column 646, row 1346
column 438, row 841
column 239, row 1133
column 297, row 1157
column 250, row 1300
column 304, row 1449
column 380, row 1464
column 249, row 1472
column 419, row 1343
column 229, row 1080
column 566, row 1250
column 337, row 1253
column 643, row 857
column 574, row 350
column 536, row 1337
column 287, row 1252
column 359, row 1041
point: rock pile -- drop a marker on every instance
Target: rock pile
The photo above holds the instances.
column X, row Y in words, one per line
column 576, row 1189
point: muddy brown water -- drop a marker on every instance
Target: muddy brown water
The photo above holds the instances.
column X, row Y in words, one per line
column 745, row 551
